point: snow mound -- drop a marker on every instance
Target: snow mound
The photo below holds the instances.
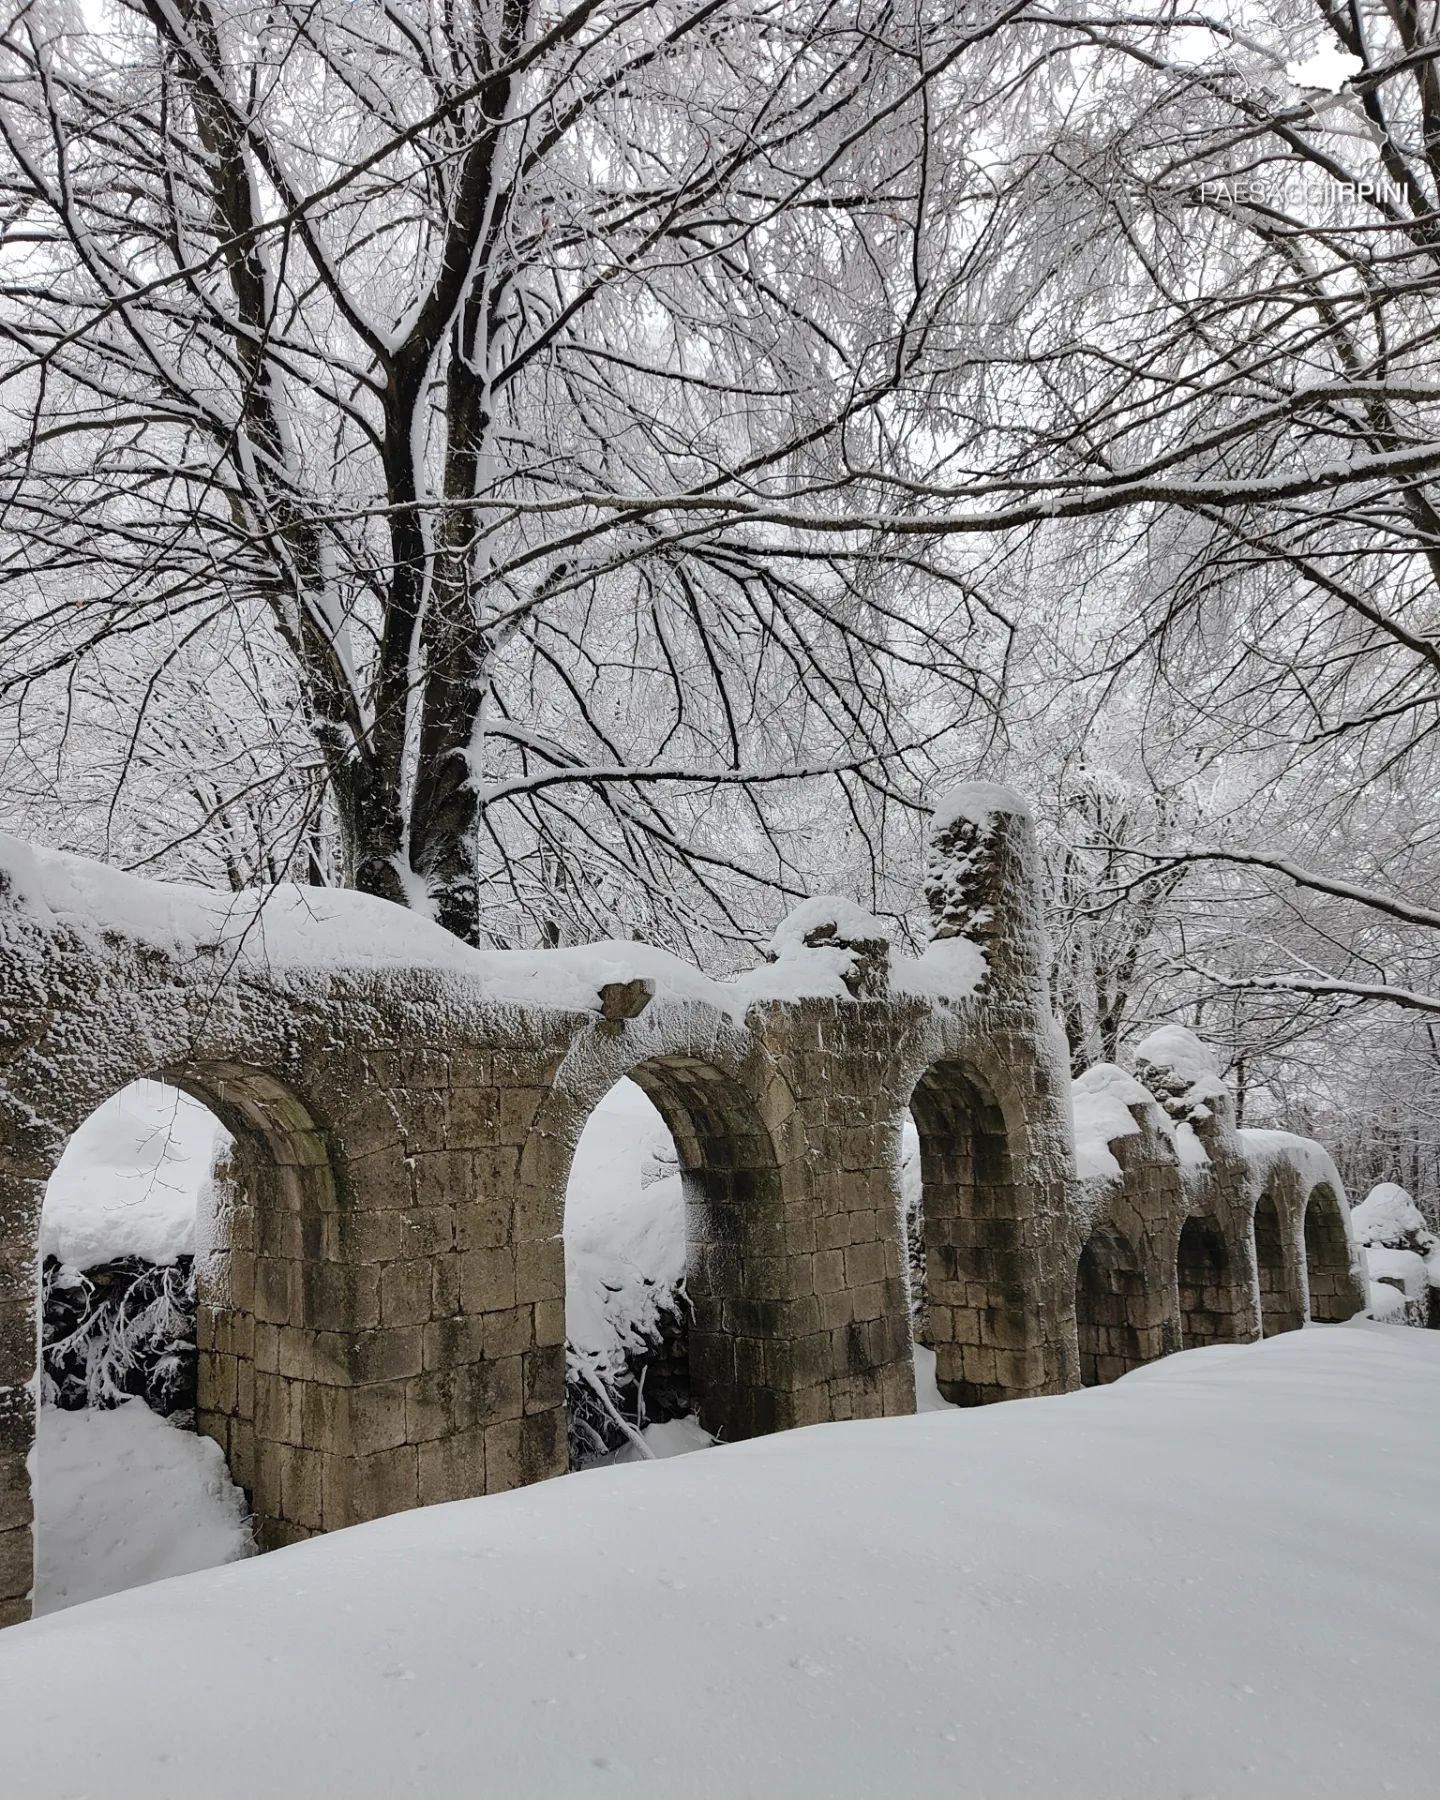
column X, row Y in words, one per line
column 130, row 1179
column 1101, row 1099
column 1178, row 1067
column 948, row 969
column 124, row 1498
column 1397, row 1242
column 825, row 913
column 1387, row 1217
column 1163, row 1587
column 977, row 802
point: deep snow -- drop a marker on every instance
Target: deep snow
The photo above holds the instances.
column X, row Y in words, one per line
column 1215, row 1577
column 126, row 1498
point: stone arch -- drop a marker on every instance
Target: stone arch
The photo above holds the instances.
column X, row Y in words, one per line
column 979, row 1263
column 743, row 1320
column 1329, row 1283
column 1113, row 1311
column 271, row 1280
column 1273, row 1266
column 268, row 1385
column 735, row 1242
column 1206, row 1288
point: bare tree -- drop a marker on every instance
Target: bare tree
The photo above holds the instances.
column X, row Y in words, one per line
column 380, row 327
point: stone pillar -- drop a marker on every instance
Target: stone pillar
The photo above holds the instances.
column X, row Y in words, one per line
column 1151, row 1202
column 835, row 1325
column 22, row 1192
column 1219, row 1185
column 982, row 883
column 994, row 1117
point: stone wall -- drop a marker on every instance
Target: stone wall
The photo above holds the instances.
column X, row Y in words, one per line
column 381, row 1322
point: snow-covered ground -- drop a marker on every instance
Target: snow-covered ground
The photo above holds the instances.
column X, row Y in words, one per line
column 1215, row 1577
column 125, row 1497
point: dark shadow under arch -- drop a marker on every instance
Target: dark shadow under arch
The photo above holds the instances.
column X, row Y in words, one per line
column 979, row 1276
column 1327, row 1258
column 1206, row 1285
column 1111, row 1311
column 1278, row 1311
column 740, row 1333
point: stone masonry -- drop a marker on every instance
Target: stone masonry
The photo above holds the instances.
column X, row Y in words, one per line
column 382, row 1318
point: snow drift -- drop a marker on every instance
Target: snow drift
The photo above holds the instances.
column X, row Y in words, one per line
column 1212, row 1578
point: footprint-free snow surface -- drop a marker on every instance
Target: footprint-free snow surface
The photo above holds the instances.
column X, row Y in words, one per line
column 125, row 1497
column 1216, row 1578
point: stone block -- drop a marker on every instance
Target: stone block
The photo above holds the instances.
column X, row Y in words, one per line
column 452, row 1468
column 404, row 1296
column 17, row 1564
column 540, row 1270
column 488, row 1279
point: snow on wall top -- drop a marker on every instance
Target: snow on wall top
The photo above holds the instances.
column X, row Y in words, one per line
column 1192, row 1074
column 825, row 913
column 289, row 928
column 978, row 802
column 1312, row 1161
column 1102, row 1098
column 1175, row 1048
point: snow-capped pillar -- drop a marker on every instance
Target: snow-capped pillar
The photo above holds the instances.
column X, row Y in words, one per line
column 1209, row 1251
column 993, row 1116
column 795, row 1271
column 982, row 883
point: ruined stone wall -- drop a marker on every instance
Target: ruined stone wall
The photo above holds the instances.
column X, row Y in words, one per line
column 381, row 1321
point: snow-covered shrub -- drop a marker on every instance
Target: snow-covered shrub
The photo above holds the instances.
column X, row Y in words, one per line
column 626, row 1313
column 123, row 1330
column 1402, row 1254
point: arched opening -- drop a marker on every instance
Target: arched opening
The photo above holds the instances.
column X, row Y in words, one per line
column 1278, row 1311
column 124, row 1489
column 1202, row 1273
column 275, row 1296
column 627, row 1312
column 741, row 1349
column 1111, row 1312
column 1327, row 1259
column 974, row 1275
